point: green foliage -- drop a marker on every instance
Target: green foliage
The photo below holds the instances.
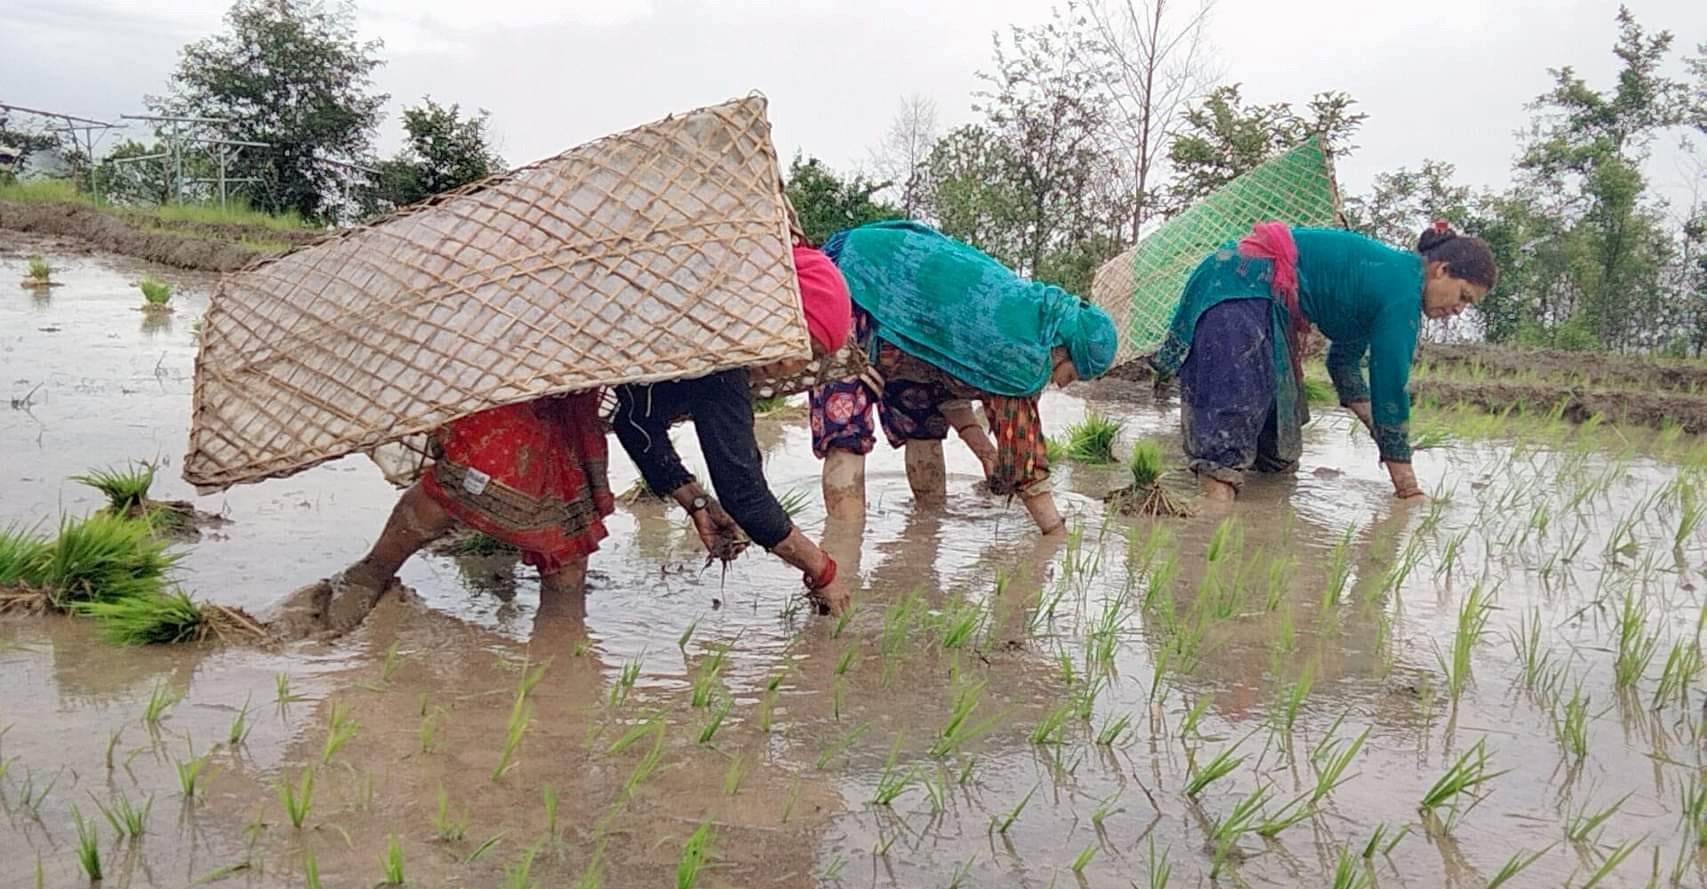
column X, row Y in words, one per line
column 292, row 74
column 1222, row 138
column 145, row 619
column 826, row 203
column 1145, row 462
column 23, row 558
column 126, row 489
column 105, row 558
column 444, row 150
column 155, row 292
column 88, row 845
column 40, row 271
column 1091, row 440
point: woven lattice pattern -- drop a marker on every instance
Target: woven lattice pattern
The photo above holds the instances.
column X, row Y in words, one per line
column 654, row 254
column 1141, row 287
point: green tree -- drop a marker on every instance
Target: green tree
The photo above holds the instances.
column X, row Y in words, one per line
column 292, row 74
column 1402, row 202
column 966, row 195
column 826, row 203
column 1223, row 138
column 444, row 150
column 139, row 182
column 1590, row 144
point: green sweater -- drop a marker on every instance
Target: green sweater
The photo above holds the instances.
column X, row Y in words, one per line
column 1364, row 296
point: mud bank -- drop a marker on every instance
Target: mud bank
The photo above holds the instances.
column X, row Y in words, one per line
column 1636, row 408
column 1594, row 369
column 199, row 246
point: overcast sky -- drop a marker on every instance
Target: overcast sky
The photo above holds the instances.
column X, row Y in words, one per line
column 1440, row 79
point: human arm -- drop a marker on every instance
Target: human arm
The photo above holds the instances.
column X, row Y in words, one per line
column 1393, row 342
column 642, row 425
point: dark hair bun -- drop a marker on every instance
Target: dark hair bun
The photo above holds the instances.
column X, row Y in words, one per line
column 1434, row 236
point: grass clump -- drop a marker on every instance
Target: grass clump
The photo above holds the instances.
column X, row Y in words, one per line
column 1091, row 440
column 40, row 272
column 143, row 620
column 155, row 293
column 694, row 854
column 88, row 845
column 126, row 490
column 391, row 863
column 1146, row 496
column 104, row 558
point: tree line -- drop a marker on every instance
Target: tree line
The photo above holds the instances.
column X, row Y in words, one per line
column 1090, row 129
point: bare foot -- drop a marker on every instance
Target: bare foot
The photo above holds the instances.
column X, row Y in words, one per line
column 329, row 607
column 1219, row 491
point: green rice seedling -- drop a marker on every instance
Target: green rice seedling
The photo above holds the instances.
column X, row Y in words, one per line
column 127, row 820
column 283, row 696
column 740, row 765
column 705, row 681
column 190, row 772
column 1693, row 809
column 1228, row 830
column 447, row 827
column 1091, row 440
column 960, row 730
column 771, row 405
column 126, row 490
column 1613, row 859
column 1333, row 765
column 794, row 501
column 155, row 292
column 530, row 677
column 1350, row 874
column 1112, row 730
column 695, row 852
column 833, row 871
column 23, row 559
column 1517, row 864
column 1636, row 646
column 388, row 667
column 1526, row 644
column 1473, row 614
column 162, row 619
column 842, row 744
column 1571, row 728
column 1299, row 809
column 1320, row 391
column 41, row 273
column 310, row 869
column 1465, row 778
column 960, row 622
column 238, row 731
column 298, row 799
column 1380, row 833
column 1292, row 697
column 1199, row 779
column 1583, row 826
column 1106, row 808
column 519, row 875
column 1054, row 450
column 1083, row 859
column 1157, row 870
column 713, row 722
column 428, row 731
column 961, row 871
column 160, row 701
column 1690, row 513
column 105, row 557
column 521, row 715
column 1279, row 577
column 1683, row 664
column 340, row 728
column 1008, row 820
column 485, row 846
column 29, row 798
column 548, row 795
column 1339, row 570
column 892, row 783
column 1053, row 727
column 88, row 845
column 391, row 863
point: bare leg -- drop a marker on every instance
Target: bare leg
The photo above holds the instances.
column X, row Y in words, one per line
column 1217, row 490
column 926, row 474
column 797, row 550
column 1043, row 512
column 561, row 622
column 844, row 485
column 965, row 422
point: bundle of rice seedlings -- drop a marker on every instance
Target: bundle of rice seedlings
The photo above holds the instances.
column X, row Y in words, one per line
column 474, row 544
column 127, row 495
column 1146, row 496
column 41, row 274
column 1091, row 440
column 23, row 560
column 1320, row 391
column 105, row 557
column 155, row 294
column 1054, row 451
column 166, row 618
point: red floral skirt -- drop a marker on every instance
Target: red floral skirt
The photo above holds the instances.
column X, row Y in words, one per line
column 531, row 474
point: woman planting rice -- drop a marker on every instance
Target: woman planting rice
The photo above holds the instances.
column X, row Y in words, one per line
column 1236, row 341
column 944, row 324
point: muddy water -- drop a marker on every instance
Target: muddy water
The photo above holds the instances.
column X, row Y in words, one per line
column 806, row 719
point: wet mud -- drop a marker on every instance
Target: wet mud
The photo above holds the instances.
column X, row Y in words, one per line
column 1636, row 407
column 998, row 708
column 179, row 245
column 1589, row 369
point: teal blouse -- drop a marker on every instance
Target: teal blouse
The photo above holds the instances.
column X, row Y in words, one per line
column 1364, row 296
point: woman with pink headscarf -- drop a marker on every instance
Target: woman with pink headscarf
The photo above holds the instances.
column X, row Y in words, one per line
column 722, row 411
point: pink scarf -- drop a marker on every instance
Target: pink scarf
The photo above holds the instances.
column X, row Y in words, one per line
column 1273, row 241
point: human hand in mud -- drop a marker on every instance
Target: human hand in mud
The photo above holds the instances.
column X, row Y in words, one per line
column 718, row 531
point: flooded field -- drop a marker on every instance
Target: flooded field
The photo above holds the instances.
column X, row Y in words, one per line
column 1319, row 687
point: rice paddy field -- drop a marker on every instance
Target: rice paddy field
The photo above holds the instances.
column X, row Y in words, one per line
column 1319, row 686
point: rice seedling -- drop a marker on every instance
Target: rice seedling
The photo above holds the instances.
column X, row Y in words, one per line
column 1106, row 808
column 1339, row 570
column 1083, row 859
column 1583, row 826
column 1636, row 646
column 1692, row 809
column 40, row 273
column 88, row 845
column 1516, row 864
column 1013, row 814
column 428, row 731
column 1199, row 779
column 548, row 795
column 1319, row 391
column 892, row 783
column 961, row 871
column 1613, row 859
column 190, row 772
column 794, row 501
column 1293, row 695
column 160, row 701
column 519, row 875
column 283, row 696
column 521, row 715
column 485, row 846
column 155, row 292
column 447, row 827
column 713, row 722
column 1146, row 496
column 1690, row 513
column 1054, row 450
column 1299, row 809
column 127, row 820
column 238, row 731
column 1683, row 664
column 1157, row 870
column 1473, row 614
column 1464, row 779
column 1331, row 768
column 340, row 728
column 1379, row 834
column 1091, row 440
column 833, row 871
column 1227, row 831
column 1051, row 729
column 1349, row 873
column 960, row 730
column 694, row 854
column 391, row 863
column 959, row 623
column 297, row 800
column 1111, row 731
column 1526, row 644
column 1571, row 728
column 161, row 619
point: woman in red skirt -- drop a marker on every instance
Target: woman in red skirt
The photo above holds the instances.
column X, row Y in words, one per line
column 531, row 474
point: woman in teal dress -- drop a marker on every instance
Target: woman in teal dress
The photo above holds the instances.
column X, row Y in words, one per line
column 1236, row 341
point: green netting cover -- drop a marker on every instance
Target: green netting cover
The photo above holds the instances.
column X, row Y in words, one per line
column 1140, row 287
